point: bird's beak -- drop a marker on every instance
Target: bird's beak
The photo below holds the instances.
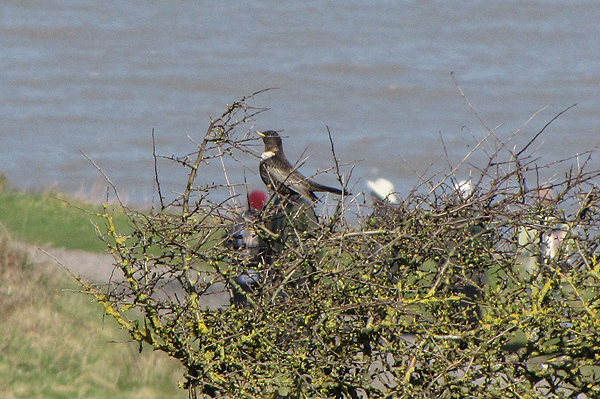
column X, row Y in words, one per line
column 261, row 134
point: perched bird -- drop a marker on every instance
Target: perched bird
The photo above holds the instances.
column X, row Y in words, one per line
column 279, row 174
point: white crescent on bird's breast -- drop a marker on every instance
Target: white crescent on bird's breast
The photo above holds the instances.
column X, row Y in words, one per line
column 267, row 154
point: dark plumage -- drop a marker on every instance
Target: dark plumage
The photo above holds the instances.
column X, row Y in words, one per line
column 279, row 174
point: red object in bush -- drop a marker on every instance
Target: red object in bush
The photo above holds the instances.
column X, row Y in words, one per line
column 257, row 200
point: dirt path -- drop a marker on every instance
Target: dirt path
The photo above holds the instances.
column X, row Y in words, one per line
column 98, row 268
column 94, row 267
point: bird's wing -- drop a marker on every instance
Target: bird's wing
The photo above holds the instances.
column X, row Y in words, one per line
column 286, row 182
column 285, row 174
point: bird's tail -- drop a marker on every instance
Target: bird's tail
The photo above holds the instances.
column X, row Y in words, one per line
column 333, row 190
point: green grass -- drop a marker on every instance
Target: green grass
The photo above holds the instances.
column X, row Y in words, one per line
column 56, row 344
column 49, row 218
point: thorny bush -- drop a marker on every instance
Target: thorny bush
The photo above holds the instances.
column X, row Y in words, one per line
column 482, row 289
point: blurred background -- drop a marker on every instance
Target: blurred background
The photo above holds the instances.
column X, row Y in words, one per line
column 97, row 77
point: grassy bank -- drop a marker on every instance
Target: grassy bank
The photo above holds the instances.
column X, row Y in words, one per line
column 42, row 218
column 56, row 344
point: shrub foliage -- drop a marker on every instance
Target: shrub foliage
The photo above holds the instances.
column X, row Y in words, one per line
column 485, row 291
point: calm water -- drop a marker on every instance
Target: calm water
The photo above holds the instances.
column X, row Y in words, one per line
column 97, row 77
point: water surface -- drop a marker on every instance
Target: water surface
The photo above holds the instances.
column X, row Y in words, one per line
column 97, row 77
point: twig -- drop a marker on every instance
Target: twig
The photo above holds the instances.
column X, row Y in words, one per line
column 544, row 128
column 469, row 102
column 156, row 180
column 105, row 177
